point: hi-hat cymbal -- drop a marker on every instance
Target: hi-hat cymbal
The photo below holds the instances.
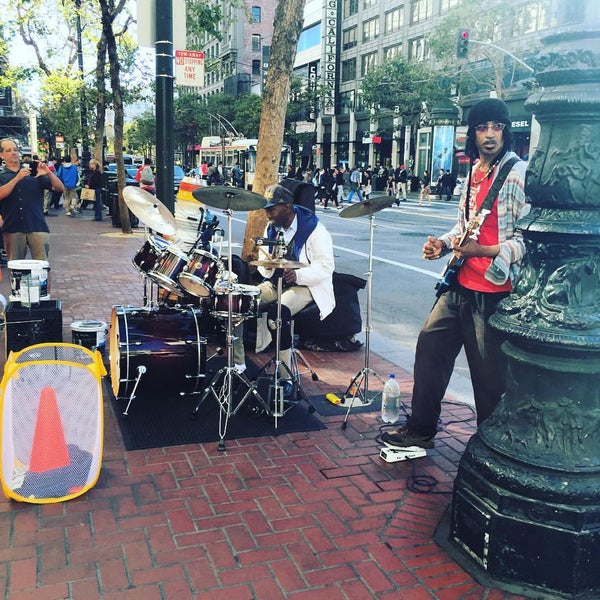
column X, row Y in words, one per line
column 278, row 263
column 366, row 207
column 149, row 210
column 225, row 197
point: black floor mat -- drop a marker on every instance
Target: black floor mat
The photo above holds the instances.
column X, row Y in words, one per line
column 163, row 418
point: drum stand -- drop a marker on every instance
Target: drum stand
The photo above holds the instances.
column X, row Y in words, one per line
column 229, row 374
column 359, row 385
column 292, row 370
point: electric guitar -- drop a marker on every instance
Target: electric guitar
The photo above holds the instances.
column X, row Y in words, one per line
column 450, row 273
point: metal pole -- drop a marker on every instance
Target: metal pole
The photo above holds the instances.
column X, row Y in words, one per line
column 165, row 150
column 85, row 149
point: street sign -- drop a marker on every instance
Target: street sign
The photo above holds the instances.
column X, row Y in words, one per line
column 189, row 68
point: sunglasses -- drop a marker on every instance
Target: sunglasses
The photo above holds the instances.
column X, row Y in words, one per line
column 494, row 127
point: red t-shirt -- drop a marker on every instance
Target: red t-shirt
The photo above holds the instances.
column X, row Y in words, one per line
column 472, row 272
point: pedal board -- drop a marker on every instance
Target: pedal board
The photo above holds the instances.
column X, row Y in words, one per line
column 393, row 454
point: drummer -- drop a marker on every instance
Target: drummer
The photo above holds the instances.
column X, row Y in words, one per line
column 300, row 237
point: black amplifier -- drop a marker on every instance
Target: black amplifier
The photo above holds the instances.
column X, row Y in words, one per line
column 26, row 326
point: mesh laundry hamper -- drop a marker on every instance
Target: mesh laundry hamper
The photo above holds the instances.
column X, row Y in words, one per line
column 52, row 422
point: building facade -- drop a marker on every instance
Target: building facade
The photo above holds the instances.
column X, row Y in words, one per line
column 342, row 40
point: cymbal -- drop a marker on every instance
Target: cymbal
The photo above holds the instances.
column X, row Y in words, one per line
column 149, row 210
column 278, row 263
column 225, row 197
column 366, row 207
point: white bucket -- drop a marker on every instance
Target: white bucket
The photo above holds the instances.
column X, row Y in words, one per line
column 90, row 334
column 34, row 268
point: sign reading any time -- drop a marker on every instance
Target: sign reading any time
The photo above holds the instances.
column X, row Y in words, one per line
column 189, row 68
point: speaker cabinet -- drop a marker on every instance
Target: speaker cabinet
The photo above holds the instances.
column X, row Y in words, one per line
column 25, row 326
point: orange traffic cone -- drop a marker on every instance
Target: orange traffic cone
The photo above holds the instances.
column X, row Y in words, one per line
column 49, row 449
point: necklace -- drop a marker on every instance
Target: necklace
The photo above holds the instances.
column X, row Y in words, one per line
column 485, row 174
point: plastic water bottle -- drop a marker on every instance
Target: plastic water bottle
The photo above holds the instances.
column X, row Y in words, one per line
column 390, row 400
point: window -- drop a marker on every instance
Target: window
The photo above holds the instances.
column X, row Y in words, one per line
column 370, row 29
column 350, row 8
column 256, row 42
column 446, row 5
column 256, row 67
column 367, row 62
column 310, row 38
column 370, row 3
column 417, row 50
column 531, row 18
column 256, row 14
column 349, row 38
column 420, row 10
column 394, row 20
column 349, row 70
column 346, row 102
column 391, row 52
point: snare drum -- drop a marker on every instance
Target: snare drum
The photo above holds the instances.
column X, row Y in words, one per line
column 166, row 342
column 200, row 274
column 244, row 302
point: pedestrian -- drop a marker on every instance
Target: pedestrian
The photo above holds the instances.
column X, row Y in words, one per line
column 390, row 187
column 440, row 185
column 237, row 177
column 366, row 180
column 448, row 182
column 459, row 317
column 425, row 192
column 22, row 205
column 401, row 177
column 355, row 183
column 327, row 188
column 94, row 182
column 145, row 176
column 339, row 184
column 68, row 173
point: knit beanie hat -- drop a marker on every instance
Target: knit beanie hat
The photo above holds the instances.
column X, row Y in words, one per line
column 490, row 109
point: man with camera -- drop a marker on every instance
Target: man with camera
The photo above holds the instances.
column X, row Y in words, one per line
column 22, row 204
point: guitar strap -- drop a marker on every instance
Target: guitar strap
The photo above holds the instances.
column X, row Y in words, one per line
column 496, row 186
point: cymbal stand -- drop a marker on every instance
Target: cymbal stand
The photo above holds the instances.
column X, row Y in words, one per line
column 292, row 373
column 359, row 384
column 229, row 374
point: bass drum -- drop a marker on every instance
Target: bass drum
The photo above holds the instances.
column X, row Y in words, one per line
column 165, row 342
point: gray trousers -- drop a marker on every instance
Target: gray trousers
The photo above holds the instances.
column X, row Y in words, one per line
column 458, row 318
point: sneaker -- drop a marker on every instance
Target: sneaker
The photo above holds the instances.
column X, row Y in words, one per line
column 404, row 437
column 241, row 368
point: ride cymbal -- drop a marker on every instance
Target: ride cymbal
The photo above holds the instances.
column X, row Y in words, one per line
column 225, row 197
column 149, row 210
column 278, row 263
column 366, row 207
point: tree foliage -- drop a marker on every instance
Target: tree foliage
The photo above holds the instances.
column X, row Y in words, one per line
column 487, row 68
column 407, row 85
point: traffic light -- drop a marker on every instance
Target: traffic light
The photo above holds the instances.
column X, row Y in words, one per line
column 462, row 44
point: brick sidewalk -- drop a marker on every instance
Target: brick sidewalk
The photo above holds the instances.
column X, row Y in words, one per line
column 296, row 516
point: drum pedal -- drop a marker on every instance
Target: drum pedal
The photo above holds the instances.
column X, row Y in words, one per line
column 393, row 454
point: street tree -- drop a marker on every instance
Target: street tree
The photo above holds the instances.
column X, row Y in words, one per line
column 403, row 86
column 488, row 67
column 287, row 26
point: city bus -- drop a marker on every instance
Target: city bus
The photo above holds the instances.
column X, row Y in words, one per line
column 214, row 149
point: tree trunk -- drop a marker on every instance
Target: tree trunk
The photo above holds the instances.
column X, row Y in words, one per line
column 101, row 101
column 115, row 83
column 287, row 26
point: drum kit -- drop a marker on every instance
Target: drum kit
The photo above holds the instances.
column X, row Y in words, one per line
column 166, row 336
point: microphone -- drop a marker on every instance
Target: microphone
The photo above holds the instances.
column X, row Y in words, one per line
column 263, row 241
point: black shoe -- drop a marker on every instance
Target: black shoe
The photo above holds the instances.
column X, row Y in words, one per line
column 403, row 438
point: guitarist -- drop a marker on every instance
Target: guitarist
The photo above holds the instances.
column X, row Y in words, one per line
column 488, row 266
